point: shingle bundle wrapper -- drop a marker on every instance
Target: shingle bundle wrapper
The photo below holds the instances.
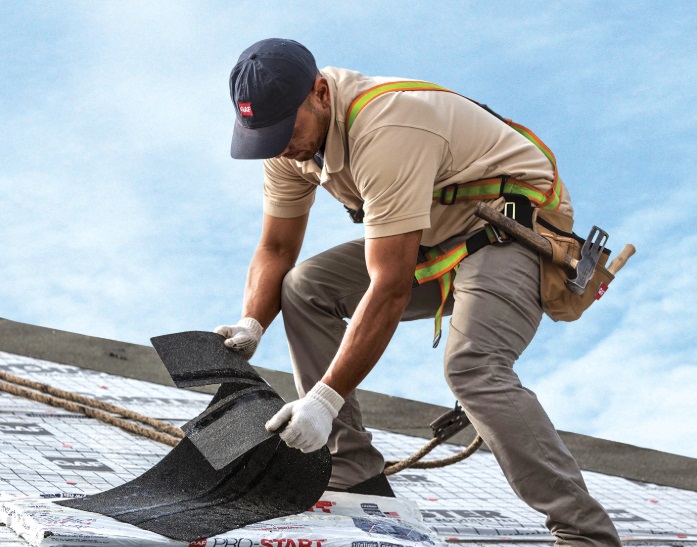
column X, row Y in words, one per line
column 228, row 472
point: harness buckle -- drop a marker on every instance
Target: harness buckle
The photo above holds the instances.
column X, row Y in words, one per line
column 443, row 192
column 509, row 209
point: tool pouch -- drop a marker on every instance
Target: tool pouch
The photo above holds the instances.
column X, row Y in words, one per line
column 558, row 302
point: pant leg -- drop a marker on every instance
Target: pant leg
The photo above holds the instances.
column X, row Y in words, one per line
column 316, row 298
column 495, row 316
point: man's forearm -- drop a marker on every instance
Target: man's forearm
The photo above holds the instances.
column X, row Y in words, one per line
column 262, row 293
column 390, row 261
column 366, row 338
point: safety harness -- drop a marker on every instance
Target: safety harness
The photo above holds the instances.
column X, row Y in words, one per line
column 520, row 197
column 443, row 266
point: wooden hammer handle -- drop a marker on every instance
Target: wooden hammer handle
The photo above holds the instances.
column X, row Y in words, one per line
column 621, row 259
column 525, row 235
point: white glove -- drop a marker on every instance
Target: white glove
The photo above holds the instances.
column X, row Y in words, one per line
column 242, row 337
column 309, row 420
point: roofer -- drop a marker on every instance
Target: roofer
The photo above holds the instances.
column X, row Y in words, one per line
column 386, row 157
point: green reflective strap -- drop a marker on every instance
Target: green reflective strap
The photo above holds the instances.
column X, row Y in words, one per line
column 534, row 195
column 440, row 264
column 555, row 198
column 366, row 97
column 492, row 236
column 467, row 191
column 443, row 267
column 479, row 191
column 552, row 199
column 446, row 283
column 536, row 141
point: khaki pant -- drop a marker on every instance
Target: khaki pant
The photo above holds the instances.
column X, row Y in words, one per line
column 495, row 313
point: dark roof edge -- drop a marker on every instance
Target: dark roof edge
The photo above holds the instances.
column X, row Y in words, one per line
column 379, row 411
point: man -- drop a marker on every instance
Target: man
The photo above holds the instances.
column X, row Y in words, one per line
column 386, row 149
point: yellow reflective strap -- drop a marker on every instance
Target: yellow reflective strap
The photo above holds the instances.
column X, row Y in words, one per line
column 488, row 189
column 552, row 199
column 476, row 190
column 446, row 283
column 438, row 265
column 528, row 134
column 522, row 189
column 468, row 191
column 360, row 102
column 443, row 267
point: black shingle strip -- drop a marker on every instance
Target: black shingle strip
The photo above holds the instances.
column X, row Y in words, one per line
column 234, row 424
column 184, row 497
column 199, row 358
column 234, row 421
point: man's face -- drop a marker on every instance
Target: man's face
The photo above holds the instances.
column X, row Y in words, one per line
column 310, row 131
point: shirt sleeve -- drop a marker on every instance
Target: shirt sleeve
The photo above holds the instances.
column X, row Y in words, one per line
column 395, row 168
column 286, row 193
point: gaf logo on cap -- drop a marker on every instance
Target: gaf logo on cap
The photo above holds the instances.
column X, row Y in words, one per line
column 245, row 109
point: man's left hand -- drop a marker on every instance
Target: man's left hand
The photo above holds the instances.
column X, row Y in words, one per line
column 308, row 421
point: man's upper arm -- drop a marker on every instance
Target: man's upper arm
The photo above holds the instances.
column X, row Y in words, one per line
column 391, row 261
column 284, row 236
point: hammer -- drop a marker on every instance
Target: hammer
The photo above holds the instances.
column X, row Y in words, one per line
column 582, row 269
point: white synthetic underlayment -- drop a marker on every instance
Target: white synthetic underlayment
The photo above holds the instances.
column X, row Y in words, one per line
column 46, row 452
column 337, row 520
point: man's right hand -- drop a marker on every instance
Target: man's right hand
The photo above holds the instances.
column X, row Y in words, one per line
column 242, row 337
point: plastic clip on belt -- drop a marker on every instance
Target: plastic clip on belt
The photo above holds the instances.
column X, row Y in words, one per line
column 443, row 267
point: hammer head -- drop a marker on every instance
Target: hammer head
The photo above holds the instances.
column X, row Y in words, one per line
column 590, row 253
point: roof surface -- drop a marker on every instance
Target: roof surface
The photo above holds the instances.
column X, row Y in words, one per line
column 379, row 411
column 44, row 451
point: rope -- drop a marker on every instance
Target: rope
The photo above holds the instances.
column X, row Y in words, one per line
column 392, row 467
column 170, row 435
column 161, row 432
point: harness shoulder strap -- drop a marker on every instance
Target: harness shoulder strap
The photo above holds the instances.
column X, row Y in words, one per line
column 365, row 98
column 476, row 190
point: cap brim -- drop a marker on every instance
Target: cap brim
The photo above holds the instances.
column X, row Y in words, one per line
column 263, row 142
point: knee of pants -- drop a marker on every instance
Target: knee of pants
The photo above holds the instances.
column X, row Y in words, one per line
column 303, row 286
column 468, row 367
column 462, row 380
column 296, row 286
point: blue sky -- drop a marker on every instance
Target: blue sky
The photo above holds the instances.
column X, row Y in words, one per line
column 124, row 217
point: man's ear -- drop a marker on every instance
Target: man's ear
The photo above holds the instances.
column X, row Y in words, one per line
column 321, row 90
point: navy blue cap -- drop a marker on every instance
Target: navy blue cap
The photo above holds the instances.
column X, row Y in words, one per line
column 268, row 84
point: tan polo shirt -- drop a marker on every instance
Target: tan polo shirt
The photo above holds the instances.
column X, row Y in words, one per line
column 401, row 147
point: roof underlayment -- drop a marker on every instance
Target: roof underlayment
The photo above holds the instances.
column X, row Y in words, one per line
column 48, row 453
